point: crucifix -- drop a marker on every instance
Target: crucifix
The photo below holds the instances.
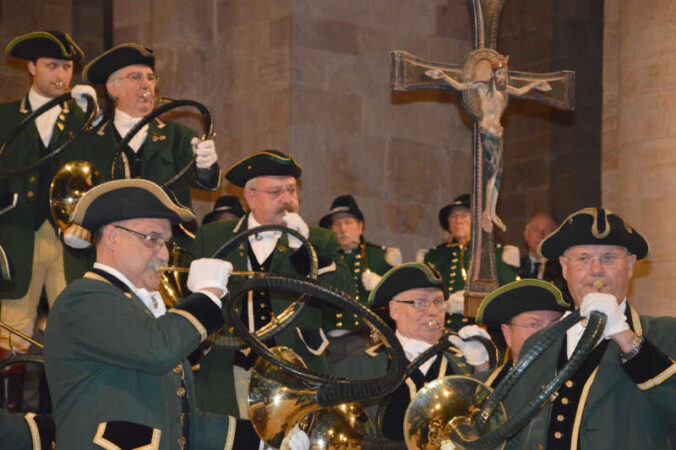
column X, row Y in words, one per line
column 485, row 84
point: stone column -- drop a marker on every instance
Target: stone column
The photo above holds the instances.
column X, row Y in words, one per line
column 639, row 137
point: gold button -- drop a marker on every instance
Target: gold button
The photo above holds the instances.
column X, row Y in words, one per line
column 339, row 315
column 339, row 324
column 182, row 418
column 178, row 369
column 465, row 319
column 564, row 400
column 30, row 194
column 262, row 293
column 558, row 435
column 541, row 447
column 356, row 324
column 181, row 441
column 180, row 392
column 560, row 418
column 32, row 179
column 569, row 384
column 356, row 270
column 264, row 317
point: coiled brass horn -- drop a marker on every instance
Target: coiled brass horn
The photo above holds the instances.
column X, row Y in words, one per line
column 437, row 418
column 69, row 184
column 278, row 400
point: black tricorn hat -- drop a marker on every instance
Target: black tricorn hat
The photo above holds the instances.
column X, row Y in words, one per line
column 267, row 162
column 225, row 203
column 512, row 299
column 593, row 226
column 343, row 204
column 100, row 68
column 461, row 201
column 124, row 199
column 45, row 44
column 402, row 278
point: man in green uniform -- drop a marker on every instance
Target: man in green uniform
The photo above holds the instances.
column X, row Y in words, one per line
column 452, row 258
column 520, row 309
column 115, row 358
column 366, row 262
column 415, row 297
column 622, row 396
column 27, row 233
column 269, row 179
column 160, row 149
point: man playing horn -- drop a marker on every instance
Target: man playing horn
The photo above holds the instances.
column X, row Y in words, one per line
column 160, row 149
column 415, row 299
column 36, row 258
column 115, row 357
column 270, row 182
column 622, row 396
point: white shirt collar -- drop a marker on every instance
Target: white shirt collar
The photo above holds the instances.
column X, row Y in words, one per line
column 124, row 123
column 152, row 300
column 262, row 244
column 44, row 122
column 413, row 348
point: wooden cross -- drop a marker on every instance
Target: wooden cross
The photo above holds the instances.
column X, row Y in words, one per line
column 485, row 84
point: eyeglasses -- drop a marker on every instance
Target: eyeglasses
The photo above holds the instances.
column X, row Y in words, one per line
column 423, row 303
column 532, row 326
column 277, row 193
column 607, row 259
column 138, row 77
column 152, row 240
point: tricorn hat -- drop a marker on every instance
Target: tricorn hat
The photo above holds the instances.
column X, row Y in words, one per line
column 225, row 203
column 593, row 226
column 45, row 44
column 123, row 199
column 267, row 162
column 343, row 204
column 402, row 278
column 100, row 68
column 461, row 201
column 518, row 297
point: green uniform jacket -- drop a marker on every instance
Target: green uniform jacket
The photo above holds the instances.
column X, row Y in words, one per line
column 17, row 226
column 366, row 256
column 214, row 380
column 616, row 412
column 452, row 262
column 26, row 432
column 166, row 151
column 373, row 363
column 112, row 366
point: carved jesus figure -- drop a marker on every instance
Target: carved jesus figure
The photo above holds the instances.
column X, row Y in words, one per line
column 489, row 80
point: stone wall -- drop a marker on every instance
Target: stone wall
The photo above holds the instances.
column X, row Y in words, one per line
column 312, row 77
column 639, row 136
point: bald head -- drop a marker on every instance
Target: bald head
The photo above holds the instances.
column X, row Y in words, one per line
column 538, row 227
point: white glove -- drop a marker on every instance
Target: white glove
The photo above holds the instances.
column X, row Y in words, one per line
column 420, row 255
column 78, row 93
column 456, row 303
column 209, row 273
column 393, row 256
column 370, row 279
column 205, row 151
column 474, row 351
column 607, row 304
column 510, row 255
column 297, row 439
column 295, row 222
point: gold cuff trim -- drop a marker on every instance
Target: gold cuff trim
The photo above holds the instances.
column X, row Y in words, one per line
column 35, row 433
column 327, row 269
column 230, row 437
column 371, row 351
column 193, row 321
column 322, row 347
column 580, row 409
column 105, row 443
column 659, row 379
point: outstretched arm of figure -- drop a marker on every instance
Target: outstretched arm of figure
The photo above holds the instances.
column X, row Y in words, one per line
column 439, row 75
column 540, row 85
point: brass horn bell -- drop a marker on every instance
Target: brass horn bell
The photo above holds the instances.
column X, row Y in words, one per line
column 70, row 183
column 447, row 408
column 278, row 400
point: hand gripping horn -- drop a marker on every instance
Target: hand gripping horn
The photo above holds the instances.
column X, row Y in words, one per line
column 90, row 113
